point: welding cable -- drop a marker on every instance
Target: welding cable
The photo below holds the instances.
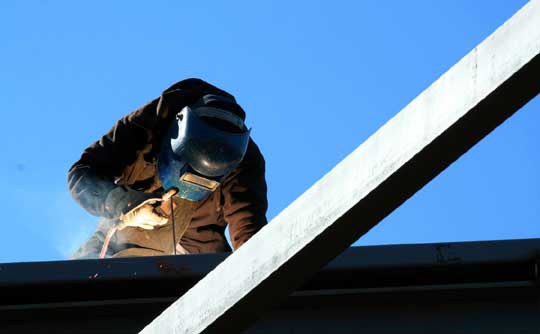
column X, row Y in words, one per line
column 107, row 241
column 173, row 227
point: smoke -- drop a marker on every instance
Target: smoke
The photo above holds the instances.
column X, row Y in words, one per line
column 43, row 224
column 69, row 225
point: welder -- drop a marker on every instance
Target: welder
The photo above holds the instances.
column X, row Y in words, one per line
column 170, row 176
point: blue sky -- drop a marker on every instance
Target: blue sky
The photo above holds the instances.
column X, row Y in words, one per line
column 315, row 77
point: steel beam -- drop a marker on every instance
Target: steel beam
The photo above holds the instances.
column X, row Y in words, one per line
column 464, row 283
column 36, row 285
column 466, row 103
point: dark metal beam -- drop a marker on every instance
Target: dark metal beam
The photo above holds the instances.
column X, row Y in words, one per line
column 123, row 295
column 94, row 281
column 477, row 94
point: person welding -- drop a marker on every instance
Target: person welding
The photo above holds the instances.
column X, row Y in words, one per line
column 170, row 176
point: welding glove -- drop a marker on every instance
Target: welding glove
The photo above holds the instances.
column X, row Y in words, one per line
column 137, row 208
column 124, row 199
column 145, row 216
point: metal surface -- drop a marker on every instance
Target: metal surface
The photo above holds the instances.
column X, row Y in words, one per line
column 477, row 310
column 457, row 282
column 489, row 310
column 371, row 267
column 477, row 94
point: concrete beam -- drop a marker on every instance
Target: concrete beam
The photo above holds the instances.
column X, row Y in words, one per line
column 466, row 103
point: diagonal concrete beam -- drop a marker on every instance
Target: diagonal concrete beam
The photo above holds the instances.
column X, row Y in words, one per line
column 476, row 95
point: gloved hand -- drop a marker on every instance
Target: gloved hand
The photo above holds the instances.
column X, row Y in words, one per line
column 136, row 208
column 144, row 216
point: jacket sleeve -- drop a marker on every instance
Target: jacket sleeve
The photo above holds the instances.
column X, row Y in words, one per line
column 244, row 195
column 91, row 179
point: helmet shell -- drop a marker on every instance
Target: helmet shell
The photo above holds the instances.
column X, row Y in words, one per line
column 195, row 156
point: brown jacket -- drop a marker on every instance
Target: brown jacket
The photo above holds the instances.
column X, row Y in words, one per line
column 127, row 154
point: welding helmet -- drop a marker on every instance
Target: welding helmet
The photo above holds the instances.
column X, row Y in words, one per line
column 204, row 144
